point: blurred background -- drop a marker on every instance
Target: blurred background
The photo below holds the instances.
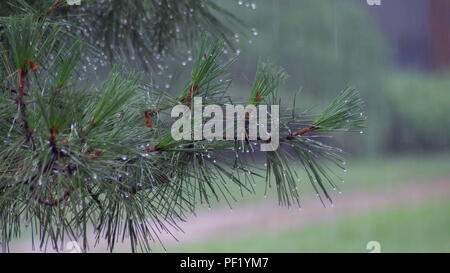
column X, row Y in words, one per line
column 397, row 188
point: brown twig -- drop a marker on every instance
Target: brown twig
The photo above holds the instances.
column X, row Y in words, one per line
column 52, row 142
column 56, row 5
column 305, row 130
column 21, row 92
column 148, row 119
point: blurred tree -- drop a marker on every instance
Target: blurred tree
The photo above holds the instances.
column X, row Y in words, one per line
column 316, row 40
column 421, row 122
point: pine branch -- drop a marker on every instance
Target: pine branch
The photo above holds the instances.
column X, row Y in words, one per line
column 102, row 156
column 152, row 29
column 21, row 84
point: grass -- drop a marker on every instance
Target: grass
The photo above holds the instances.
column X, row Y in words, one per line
column 367, row 175
column 384, row 172
column 421, row 228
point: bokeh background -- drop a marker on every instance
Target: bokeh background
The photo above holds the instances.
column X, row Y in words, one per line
column 397, row 188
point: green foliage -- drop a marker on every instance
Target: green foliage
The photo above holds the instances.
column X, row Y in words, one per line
column 69, row 59
column 150, row 29
column 115, row 93
column 28, row 40
column 268, row 79
column 344, row 113
column 321, row 43
column 206, row 70
column 422, row 118
column 74, row 155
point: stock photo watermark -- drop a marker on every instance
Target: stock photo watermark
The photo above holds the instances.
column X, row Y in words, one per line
column 241, row 123
column 373, row 247
column 374, row 2
column 74, row 2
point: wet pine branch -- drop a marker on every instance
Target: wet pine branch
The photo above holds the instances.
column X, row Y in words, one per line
column 75, row 154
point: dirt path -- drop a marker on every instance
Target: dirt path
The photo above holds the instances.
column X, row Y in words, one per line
column 268, row 216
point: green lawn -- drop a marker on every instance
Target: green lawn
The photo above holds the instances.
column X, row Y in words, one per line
column 420, row 228
column 367, row 174
column 384, row 172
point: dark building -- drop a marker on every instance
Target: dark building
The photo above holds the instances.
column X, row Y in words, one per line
column 418, row 31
